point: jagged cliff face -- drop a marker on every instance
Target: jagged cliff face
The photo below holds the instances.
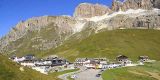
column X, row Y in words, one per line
column 87, row 10
column 40, row 34
column 157, row 4
column 147, row 19
column 134, row 4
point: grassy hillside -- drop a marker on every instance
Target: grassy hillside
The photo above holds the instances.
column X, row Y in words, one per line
column 10, row 71
column 37, row 41
column 147, row 72
column 131, row 43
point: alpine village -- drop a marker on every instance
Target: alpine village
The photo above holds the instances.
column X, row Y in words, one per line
column 117, row 41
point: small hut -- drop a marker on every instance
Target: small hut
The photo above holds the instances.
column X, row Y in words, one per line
column 123, row 60
column 143, row 58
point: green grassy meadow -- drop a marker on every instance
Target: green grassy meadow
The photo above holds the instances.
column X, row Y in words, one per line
column 109, row 44
column 150, row 71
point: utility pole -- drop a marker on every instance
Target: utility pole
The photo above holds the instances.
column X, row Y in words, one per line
column 148, row 22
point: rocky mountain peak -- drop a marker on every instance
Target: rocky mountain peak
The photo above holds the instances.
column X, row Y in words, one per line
column 88, row 10
column 134, row 4
column 48, row 32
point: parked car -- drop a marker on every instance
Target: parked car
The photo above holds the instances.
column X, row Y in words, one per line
column 73, row 76
column 102, row 70
column 98, row 75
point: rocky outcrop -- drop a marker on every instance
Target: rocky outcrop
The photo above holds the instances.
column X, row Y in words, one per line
column 138, row 19
column 116, row 5
column 87, row 10
column 157, row 4
column 132, row 4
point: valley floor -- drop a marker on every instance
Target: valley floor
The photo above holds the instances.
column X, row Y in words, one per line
column 149, row 71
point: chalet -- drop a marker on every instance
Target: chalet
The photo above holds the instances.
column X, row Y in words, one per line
column 90, row 62
column 12, row 57
column 30, row 57
column 51, row 62
column 122, row 59
column 57, row 62
column 143, row 58
column 18, row 59
column 42, row 65
column 113, row 65
column 80, row 61
column 27, row 60
column 39, row 62
column 28, row 63
column 42, row 69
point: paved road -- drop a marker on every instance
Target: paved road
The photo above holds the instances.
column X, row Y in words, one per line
column 82, row 74
column 89, row 74
column 64, row 76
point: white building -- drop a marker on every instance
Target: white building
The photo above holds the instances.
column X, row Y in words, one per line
column 91, row 62
column 42, row 69
column 16, row 59
column 27, row 63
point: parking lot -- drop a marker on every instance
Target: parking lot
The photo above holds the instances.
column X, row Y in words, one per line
column 89, row 74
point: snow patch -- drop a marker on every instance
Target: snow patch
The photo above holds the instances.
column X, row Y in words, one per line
column 129, row 12
column 156, row 10
column 78, row 27
column 67, row 16
column 101, row 27
column 97, row 18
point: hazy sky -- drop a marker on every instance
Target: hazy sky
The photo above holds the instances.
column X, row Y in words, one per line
column 13, row 11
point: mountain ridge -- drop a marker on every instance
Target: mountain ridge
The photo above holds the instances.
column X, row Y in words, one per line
column 40, row 34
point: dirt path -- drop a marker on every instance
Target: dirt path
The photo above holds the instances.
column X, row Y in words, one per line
column 151, row 74
column 154, row 75
column 138, row 73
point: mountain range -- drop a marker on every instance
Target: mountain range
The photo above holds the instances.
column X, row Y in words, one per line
column 93, row 30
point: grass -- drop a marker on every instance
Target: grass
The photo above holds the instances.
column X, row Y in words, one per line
column 36, row 38
column 109, row 44
column 69, row 78
column 126, row 73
